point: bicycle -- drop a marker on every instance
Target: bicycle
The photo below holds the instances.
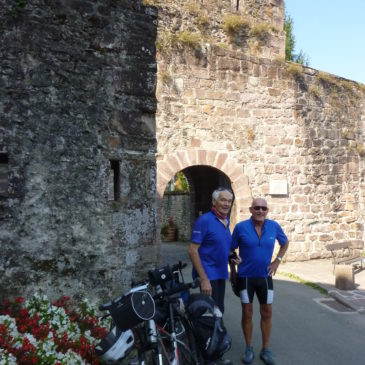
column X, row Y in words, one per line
column 162, row 336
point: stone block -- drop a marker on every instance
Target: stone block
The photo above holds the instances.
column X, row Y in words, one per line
column 345, row 278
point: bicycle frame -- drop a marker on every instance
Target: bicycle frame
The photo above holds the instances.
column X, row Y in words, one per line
column 164, row 342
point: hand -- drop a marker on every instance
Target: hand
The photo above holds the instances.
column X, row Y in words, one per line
column 234, row 258
column 273, row 267
column 237, row 260
column 205, row 287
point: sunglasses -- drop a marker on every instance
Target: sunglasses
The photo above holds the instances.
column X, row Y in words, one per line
column 258, row 207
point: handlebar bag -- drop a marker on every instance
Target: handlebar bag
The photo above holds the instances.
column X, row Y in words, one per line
column 132, row 309
column 206, row 320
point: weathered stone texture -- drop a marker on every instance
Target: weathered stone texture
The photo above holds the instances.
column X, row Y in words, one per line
column 176, row 205
column 77, row 83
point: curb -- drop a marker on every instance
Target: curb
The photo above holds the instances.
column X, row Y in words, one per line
column 337, row 296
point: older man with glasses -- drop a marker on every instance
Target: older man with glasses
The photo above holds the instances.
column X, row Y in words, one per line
column 256, row 239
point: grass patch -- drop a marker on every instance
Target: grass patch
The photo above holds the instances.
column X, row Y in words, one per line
column 189, row 39
column 295, row 69
column 305, row 282
column 149, row 2
column 233, row 23
column 193, row 8
column 327, row 79
column 260, row 31
column 314, row 90
column 360, row 149
column 166, row 78
column 203, row 22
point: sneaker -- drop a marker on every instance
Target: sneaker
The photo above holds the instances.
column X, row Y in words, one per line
column 266, row 357
column 248, row 356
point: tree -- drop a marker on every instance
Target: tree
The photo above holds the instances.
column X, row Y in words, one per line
column 301, row 57
column 178, row 183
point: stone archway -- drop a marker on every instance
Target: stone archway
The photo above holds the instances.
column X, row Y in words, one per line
column 169, row 165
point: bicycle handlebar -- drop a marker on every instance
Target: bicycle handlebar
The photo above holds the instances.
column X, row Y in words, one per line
column 142, row 285
column 164, row 294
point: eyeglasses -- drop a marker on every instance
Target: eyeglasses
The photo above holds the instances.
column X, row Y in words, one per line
column 258, row 207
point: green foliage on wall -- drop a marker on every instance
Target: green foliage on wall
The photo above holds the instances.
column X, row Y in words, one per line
column 301, row 57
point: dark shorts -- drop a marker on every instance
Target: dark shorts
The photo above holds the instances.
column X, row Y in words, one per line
column 263, row 287
column 218, row 291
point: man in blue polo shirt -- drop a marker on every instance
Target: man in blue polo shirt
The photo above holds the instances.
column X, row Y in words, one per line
column 256, row 238
column 210, row 247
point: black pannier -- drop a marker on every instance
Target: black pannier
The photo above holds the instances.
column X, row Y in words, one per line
column 206, row 320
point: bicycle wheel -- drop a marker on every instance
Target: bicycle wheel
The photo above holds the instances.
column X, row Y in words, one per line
column 151, row 356
column 187, row 349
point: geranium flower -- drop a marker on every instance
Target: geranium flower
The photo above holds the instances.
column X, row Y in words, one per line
column 36, row 331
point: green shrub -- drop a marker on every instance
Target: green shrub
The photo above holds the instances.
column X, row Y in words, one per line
column 233, row 23
column 188, row 38
column 203, row 22
column 164, row 228
column 166, row 77
column 260, row 31
column 295, row 69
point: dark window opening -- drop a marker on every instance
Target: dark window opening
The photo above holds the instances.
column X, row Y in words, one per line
column 4, row 173
column 114, row 189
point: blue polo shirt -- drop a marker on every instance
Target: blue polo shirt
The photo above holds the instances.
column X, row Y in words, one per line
column 256, row 253
column 215, row 242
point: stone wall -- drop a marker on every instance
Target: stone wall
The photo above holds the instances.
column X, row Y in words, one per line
column 227, row 106
column 77, row 102
column 177, row 206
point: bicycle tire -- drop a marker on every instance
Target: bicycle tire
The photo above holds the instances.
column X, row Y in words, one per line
column 188, row 349
column 150, row 357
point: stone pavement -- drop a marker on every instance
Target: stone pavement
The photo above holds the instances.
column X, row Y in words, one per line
column 320, row 272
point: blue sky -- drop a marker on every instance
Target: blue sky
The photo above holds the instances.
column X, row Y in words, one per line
column 332, row 34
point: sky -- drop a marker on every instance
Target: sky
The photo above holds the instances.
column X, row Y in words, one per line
column 332, row 34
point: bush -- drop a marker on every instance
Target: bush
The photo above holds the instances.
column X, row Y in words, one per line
column 232, row 24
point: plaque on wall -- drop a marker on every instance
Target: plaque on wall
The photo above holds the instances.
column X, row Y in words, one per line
column 278, row 187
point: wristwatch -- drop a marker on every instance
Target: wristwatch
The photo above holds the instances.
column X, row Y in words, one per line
column 279, row 258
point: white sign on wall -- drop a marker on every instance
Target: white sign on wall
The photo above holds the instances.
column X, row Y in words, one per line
column 278, row 187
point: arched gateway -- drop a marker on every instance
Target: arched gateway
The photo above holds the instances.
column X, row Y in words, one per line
column 169, row 165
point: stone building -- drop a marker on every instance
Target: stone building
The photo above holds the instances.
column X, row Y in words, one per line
column 102, row 102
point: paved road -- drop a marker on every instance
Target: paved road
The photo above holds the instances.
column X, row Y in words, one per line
column 305, row 329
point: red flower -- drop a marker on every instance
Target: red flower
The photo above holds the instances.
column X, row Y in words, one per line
column 19, row 300
column 27, row 354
